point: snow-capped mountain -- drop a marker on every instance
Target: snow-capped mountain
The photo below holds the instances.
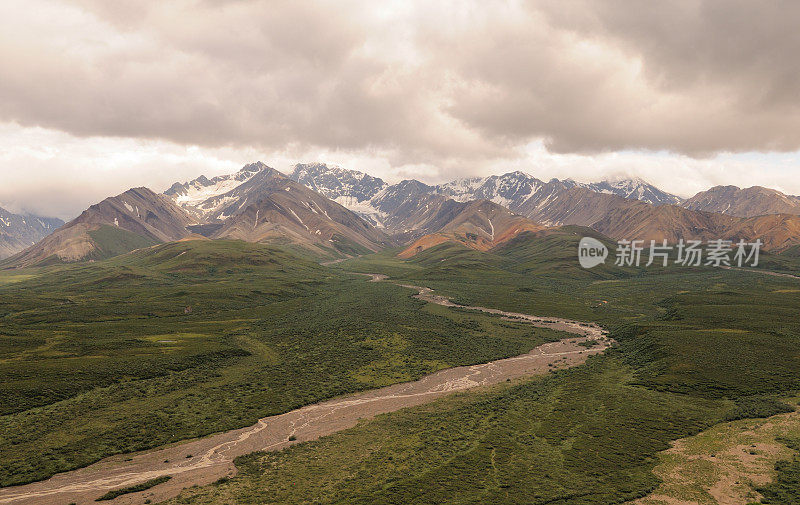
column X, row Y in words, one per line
column 18, row 231
column 255, row 204
column 258, row 203
column 508, row 190
column 203, row 197
column 345, row 187
column 635, row 188
column 335, row 211
column 513, row 188
column 394, row 207
column 350, row 188
column 461, row 190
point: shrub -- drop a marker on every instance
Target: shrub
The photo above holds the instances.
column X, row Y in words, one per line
column 134, row 489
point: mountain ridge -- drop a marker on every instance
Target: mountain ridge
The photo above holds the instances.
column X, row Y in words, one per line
column 332, row 210
column 20, row 231
column 255, row 204
column 382, row 204
column 138, row 216
column 744, row 202
column 479, row 224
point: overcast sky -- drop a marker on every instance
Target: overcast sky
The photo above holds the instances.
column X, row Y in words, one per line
column 98, row 96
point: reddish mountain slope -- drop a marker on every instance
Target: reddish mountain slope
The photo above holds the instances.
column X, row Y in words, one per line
column 480, row 225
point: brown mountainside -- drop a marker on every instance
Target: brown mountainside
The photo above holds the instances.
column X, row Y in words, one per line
column 747, row 202
column 132, row 219
column 480, row 225
column 284, row 210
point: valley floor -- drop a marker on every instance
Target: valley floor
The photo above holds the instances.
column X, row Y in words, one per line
column 208, row 459
column 202, row 339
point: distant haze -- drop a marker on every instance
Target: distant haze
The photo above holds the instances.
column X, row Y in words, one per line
column 97, row 97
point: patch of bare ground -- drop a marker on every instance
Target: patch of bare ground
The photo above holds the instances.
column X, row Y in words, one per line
column 724, row 464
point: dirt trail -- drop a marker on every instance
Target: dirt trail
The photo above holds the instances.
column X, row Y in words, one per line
column 205, row 460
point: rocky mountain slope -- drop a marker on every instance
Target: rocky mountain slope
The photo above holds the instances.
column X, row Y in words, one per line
column 670, row 222
column 622, row 209
column 747, row 202
column 280, row 209
column 256, row 204
column 133, row 219
column 331, row 210
column 18, row 231
column 479, row 224
column 204, row 197
column 389, row 206
column 517, row 189
column 625, row 219
column 778, row 232
column 346, row 187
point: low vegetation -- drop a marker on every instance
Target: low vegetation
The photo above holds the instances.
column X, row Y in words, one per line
column 144, row 486
column 696, row 347
column 732, row 462
column 785, row 490
column 191, row 338
column 576, row 436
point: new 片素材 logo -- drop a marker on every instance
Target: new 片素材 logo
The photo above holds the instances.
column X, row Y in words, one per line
column 633, row 253
column 591, row 252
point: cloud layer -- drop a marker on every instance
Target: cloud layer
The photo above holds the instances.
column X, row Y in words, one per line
column 439, row 88
column 429, row 81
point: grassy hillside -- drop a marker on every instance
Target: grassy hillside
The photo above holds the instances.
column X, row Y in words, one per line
column 539, row 274
column 188, row 338
column 111, row 241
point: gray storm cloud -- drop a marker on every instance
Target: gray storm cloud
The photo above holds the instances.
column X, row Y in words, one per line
column 439, row 83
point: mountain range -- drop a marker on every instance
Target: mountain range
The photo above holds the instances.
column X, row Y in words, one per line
column 622, row 209
column 18, row 231
column 256, row 204
column 331, row 211
column 136, row 218
column 378, row 202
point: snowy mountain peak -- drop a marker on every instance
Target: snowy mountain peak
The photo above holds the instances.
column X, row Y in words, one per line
column 194, row 195
column 250, row 170
column 517, row 174
column 347, row 187
column 635, row 188
column 461, row 189
column 375, row 200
